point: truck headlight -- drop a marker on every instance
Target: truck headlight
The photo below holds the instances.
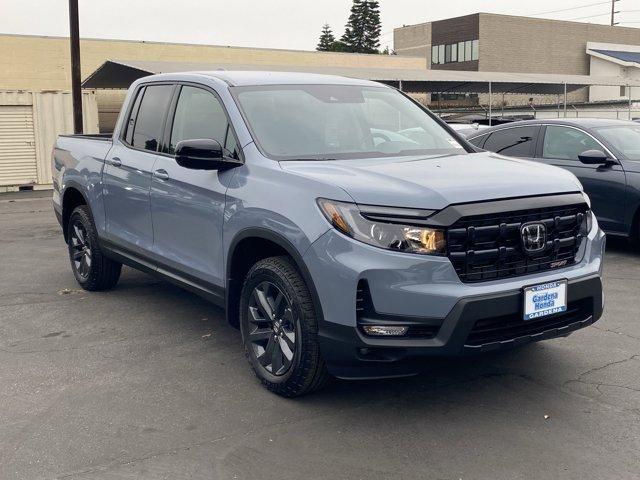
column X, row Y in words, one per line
column 587, row 223
column 393, row 235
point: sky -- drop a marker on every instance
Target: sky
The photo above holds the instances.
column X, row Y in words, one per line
column 289, row 24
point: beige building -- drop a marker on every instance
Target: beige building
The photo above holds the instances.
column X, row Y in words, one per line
column 42, row 63
column 35, row 79
column 486, row 42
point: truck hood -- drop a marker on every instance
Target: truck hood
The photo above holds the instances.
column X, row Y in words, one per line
column 437, row 181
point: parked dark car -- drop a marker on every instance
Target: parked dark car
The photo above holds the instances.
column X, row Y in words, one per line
column 603, row 154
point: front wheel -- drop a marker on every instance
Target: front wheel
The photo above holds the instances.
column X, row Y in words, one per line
column 279, row 329
column 93, row 271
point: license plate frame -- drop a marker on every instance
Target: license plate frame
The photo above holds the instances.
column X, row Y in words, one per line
column 552, row 299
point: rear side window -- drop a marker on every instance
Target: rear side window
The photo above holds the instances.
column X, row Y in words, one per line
column 478, row 141
column 514, row 142
column 149, row 122
column 199, row 114
column 566, row 143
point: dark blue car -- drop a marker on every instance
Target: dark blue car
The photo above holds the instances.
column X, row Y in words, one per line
column 603, row 154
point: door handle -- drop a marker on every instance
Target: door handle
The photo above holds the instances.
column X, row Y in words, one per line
column 161, row 174
column 115, row 161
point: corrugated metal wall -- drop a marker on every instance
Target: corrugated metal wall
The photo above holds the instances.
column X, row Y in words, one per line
column 29, row 125
column 17, row 145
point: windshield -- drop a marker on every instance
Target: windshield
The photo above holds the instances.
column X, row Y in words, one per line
column 319, row 122
column 625, row 138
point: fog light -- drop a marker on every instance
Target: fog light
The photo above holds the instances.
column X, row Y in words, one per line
column 384, row 331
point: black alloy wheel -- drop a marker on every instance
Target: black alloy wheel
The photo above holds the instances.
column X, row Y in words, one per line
column 92, row 270
column 279, row 328
column 273, row 334
column 80, row 249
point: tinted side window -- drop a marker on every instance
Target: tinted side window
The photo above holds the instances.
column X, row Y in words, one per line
column 515, row 142
column 566, row 143
column 147, row 133
column 478, row 140
column 131, row 122
column 199, row 114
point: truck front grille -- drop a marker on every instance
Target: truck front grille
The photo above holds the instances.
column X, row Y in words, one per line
column 488, row 247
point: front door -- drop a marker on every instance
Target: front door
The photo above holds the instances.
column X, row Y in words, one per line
column 129, row 166
column 187, row 206
column 605, row 184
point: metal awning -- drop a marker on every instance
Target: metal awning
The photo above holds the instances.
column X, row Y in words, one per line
column 621, row 57
column 121, row 73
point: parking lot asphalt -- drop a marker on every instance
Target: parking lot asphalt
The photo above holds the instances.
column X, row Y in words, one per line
column 149, row 381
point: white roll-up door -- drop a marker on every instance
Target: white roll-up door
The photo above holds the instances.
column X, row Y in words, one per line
column 17, row 145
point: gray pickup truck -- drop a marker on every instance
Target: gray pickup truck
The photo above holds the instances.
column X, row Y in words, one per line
column 345, row 229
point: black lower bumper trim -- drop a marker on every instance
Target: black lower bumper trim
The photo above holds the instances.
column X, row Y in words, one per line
column 350, row 354
column 542, row 335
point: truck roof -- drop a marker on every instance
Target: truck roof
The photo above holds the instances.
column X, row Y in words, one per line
column 256, row 78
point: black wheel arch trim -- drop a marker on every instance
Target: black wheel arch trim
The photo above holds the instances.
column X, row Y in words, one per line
column 286, row 245
column 77, row 187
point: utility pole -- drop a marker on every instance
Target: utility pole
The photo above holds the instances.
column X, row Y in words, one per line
column 76, row 90
column 613, row 12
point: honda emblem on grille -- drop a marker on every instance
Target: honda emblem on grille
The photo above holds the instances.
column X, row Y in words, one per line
column 534, row 237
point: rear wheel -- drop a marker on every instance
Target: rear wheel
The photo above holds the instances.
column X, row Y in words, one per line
column 93, row 271
column 279, row 329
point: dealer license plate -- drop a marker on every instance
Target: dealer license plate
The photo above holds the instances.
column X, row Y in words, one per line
column 545, row 299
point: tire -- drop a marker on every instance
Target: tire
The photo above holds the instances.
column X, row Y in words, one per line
column 93, row 271
column 277, row 315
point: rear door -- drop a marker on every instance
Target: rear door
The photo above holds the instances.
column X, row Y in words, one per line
column 605, row 184
column 187, row 205
column 127, row 177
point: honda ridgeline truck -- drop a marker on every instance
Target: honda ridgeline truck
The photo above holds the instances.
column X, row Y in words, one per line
column 347, row 231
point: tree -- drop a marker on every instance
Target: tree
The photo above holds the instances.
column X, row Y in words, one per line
column 340, row 46
column 362, row 32
column 326, row 39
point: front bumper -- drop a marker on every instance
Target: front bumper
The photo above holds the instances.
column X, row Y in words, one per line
column 427, row 290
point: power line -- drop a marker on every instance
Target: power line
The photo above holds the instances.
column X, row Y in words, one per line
column 589, row 16
column 567, row 9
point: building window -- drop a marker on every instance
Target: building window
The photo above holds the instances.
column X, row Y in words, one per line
column 623, row 91
column 455, row 52
column 453, row 99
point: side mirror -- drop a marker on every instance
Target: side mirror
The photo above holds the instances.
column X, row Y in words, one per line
column 202, row 154
column 594, row 157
